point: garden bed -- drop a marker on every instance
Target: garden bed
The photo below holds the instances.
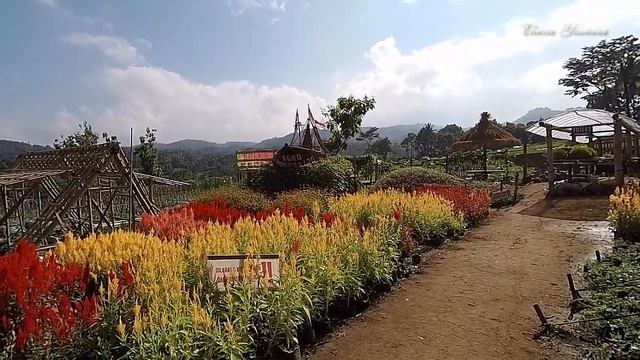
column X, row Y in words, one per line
column 146, row 294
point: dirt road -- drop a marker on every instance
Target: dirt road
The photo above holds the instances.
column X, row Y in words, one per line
column 473, row 299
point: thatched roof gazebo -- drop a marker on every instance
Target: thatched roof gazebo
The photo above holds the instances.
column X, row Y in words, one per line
column 485, row 135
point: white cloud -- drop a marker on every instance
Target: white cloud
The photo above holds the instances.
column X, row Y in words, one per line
column 85, row 20
column 274, row 20
column 50, row 3
column 180, row 108
column 501, row 71
column 117, row 49
column 146, row 43
column 410, row 2
column 239, row 7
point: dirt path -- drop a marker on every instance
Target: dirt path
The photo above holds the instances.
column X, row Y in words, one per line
column 473, row 300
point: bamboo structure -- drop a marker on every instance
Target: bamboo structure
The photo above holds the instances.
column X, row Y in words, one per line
column 79, row 190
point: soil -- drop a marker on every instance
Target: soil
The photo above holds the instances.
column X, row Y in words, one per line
column 473, row 299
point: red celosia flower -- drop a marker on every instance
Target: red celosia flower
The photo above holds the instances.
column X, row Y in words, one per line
column 37, row 297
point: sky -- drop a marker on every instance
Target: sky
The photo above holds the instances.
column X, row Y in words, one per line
column 237, row 70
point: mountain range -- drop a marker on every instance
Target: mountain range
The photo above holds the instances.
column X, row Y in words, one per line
column 396, row 133
column 539, row 113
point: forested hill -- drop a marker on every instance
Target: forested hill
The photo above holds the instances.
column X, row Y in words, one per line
column 10, row 149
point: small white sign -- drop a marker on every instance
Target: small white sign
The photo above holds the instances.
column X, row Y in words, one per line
column 229, row 269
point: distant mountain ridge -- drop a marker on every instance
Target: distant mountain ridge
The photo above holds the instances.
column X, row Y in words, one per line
column 538, row 113
column 395, row 133
column 9, row 150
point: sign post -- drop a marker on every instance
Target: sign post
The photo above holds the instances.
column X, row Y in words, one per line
column 229, row 269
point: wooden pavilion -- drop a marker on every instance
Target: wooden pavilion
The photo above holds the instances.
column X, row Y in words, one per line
column 608, row 133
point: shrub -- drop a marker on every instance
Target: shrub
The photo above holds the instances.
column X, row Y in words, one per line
column 410, row 178
column 309, row 199
column 614, row 292
column 581, row 151
column 472, row 203
column 238, row 197
column 624, row 212
column 428, row 216
column 334, row 175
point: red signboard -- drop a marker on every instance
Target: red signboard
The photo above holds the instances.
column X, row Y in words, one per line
column 253, row 158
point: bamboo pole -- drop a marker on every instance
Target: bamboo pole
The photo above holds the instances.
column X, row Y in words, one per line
column 131, row 202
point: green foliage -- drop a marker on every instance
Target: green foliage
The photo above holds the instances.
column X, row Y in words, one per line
column 614, row 338
column 381, row 147
column 606, row 74
column 409, row 178
column 368, row 136
column 86, row 136
column 238, row 197
column 148, row 154
column 334, row 175
column 581, row 151
column 308, row 199
column 345, row 118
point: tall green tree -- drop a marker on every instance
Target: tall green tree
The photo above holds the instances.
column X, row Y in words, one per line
column 382, row 147
column 425, row 141
column 368, row 136
column 408, row 143
column 607, row 76
column 345, row 119
column 148, row 154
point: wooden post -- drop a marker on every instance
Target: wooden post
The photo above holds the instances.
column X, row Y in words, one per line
column 39, row 201
column 600, row 150
column 484, row 166
column 5, row 205
column 525, row 166
column 598, row 256
column 628, row 145
column 515, row 188
column 618, row 169
column 550, row 169
column 90, row 210
column 572, row 288
column 543, row 320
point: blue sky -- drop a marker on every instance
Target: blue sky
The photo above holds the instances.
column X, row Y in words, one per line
column 225, row 70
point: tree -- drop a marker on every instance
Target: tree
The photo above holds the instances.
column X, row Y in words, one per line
column 85, row 137
column 452, row 129
column 446, row 136
column 345, row 118
column 425, row 141
column 408, row 143
column 607, row 76
column 368, row 136
column 148, row 154
column 382, row 147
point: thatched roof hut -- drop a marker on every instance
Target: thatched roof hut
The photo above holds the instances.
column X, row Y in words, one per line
column 485, row 135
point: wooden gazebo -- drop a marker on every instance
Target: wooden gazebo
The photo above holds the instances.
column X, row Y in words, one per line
column 605, row 131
